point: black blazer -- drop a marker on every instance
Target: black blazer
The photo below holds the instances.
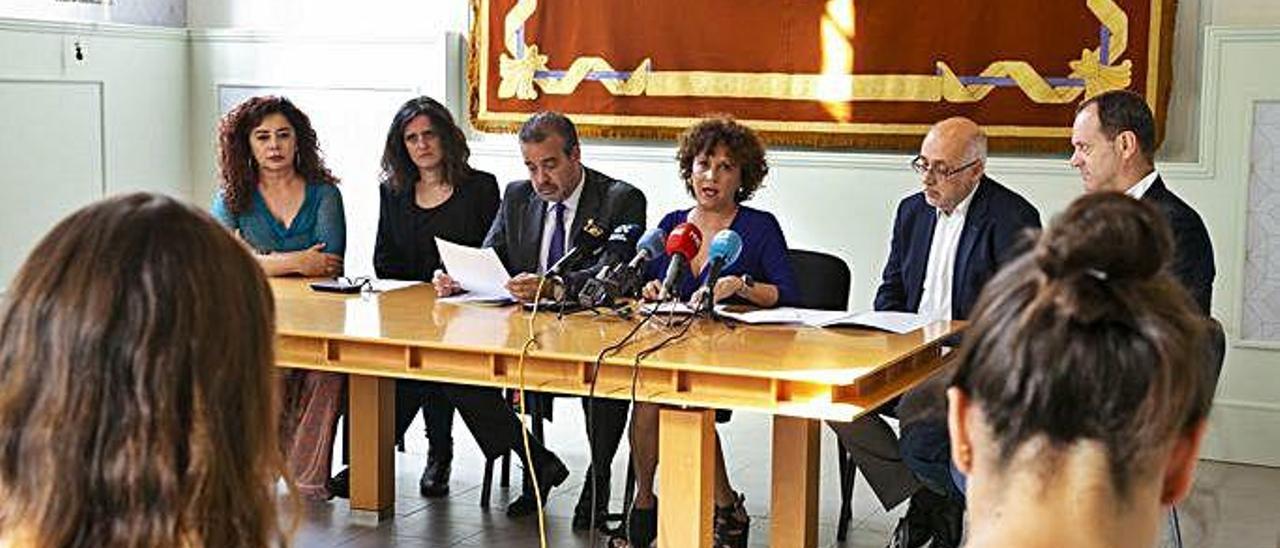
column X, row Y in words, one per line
column 516, row 234
column 405, row 248
column 1193, row 252
column 993, row 226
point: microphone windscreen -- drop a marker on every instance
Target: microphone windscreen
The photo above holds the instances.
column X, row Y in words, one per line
column 685, row 240
column 726, row 245
column 653, row 243
column 622, row 242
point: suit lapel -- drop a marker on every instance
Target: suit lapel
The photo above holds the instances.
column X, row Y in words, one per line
column 535, row 212
column 588, row 203
column 918, row 255
column 975, row 223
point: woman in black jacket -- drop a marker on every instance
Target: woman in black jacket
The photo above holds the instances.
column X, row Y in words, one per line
column 428, row 191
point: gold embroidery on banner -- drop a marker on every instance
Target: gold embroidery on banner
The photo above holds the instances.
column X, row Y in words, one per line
column 520, row 65
column 517, row 74
column 1100, row 76
column 635, row 85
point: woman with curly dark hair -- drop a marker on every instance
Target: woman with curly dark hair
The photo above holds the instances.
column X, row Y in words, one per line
column 428, row 191
column 136, row 348
column 722, row 164
column 275, row 190
column 278, row 196
column 1083, row 385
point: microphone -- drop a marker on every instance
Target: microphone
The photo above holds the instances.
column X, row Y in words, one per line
column 651, row 246
column 619, row 279
column 592, row 290
column 619, row 245
column 683, row 244
column 586, row 242
column 726, row 246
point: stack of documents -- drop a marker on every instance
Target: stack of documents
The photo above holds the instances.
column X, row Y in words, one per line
column 895, row 322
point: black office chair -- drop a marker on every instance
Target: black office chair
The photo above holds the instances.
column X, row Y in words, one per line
column 1217, row 353
column 824, row 282
column 824, row 279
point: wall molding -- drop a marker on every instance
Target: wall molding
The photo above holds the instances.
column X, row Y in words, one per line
column 250, row 36
column 111, row 30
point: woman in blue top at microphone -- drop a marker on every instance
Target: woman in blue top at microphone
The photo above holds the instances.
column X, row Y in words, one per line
column 722, row 164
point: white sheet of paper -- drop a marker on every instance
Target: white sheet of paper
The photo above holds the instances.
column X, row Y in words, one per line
column 477, row 270
column 383, row 286
column 780, row 315
column 670, row 307
column 894, row 322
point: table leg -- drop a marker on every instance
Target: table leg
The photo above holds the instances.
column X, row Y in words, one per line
column 686, row 460
column 794, row 509
column 373, row 473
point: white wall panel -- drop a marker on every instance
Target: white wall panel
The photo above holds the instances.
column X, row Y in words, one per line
column 51, row 150
column 57, row 152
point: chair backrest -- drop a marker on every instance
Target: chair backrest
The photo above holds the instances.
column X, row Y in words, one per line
column 823, row 279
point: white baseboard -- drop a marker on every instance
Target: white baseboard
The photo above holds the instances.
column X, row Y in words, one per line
column 1244, row 432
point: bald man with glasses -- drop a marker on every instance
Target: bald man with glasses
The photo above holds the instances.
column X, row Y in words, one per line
column 948, row 240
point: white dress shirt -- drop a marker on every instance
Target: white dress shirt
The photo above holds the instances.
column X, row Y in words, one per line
column 1139, row 189
column 549, row 222
column 939, row 274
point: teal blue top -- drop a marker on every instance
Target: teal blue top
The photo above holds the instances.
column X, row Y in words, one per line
column 321, row 219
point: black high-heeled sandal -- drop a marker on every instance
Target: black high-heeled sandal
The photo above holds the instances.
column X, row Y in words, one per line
column 732, row 525
column 640, row 529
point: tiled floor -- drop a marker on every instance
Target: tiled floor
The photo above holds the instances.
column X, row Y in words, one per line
column 1232, row 506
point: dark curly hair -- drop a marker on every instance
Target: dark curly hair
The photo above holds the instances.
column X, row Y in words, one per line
column 745, row 147
column 398, row 170
column 237, row 169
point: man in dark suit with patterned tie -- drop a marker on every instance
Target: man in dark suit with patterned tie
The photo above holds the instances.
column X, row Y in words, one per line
column 1114, row 142
column 535, row 227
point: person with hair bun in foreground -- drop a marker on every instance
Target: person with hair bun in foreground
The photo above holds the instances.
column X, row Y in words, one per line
column 137, row 408
column 1080, row 396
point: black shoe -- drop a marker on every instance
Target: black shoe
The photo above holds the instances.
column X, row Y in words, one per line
column 732, row 524
column 435, row 478
column 340, row 484
column 948, row 524
column 552, row 474
column 638, row 530
column 582, row 511
column 908, row 535
column 916, row 529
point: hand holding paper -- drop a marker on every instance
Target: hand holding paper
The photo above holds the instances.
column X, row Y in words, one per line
column 477, row 270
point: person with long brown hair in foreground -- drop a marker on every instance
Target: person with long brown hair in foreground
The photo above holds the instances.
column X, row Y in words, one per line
column 1082, row 388
column 137, row 407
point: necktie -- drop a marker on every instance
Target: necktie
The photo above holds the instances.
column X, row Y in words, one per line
column 556, row 250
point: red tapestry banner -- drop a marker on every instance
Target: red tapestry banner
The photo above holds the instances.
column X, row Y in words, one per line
column 826, row 73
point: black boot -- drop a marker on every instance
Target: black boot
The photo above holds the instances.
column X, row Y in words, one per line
column 435, row 478
column 583, row 511
column 930, row 516
column 551, row 473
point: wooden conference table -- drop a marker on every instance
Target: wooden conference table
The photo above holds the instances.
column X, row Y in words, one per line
column 796, row 374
